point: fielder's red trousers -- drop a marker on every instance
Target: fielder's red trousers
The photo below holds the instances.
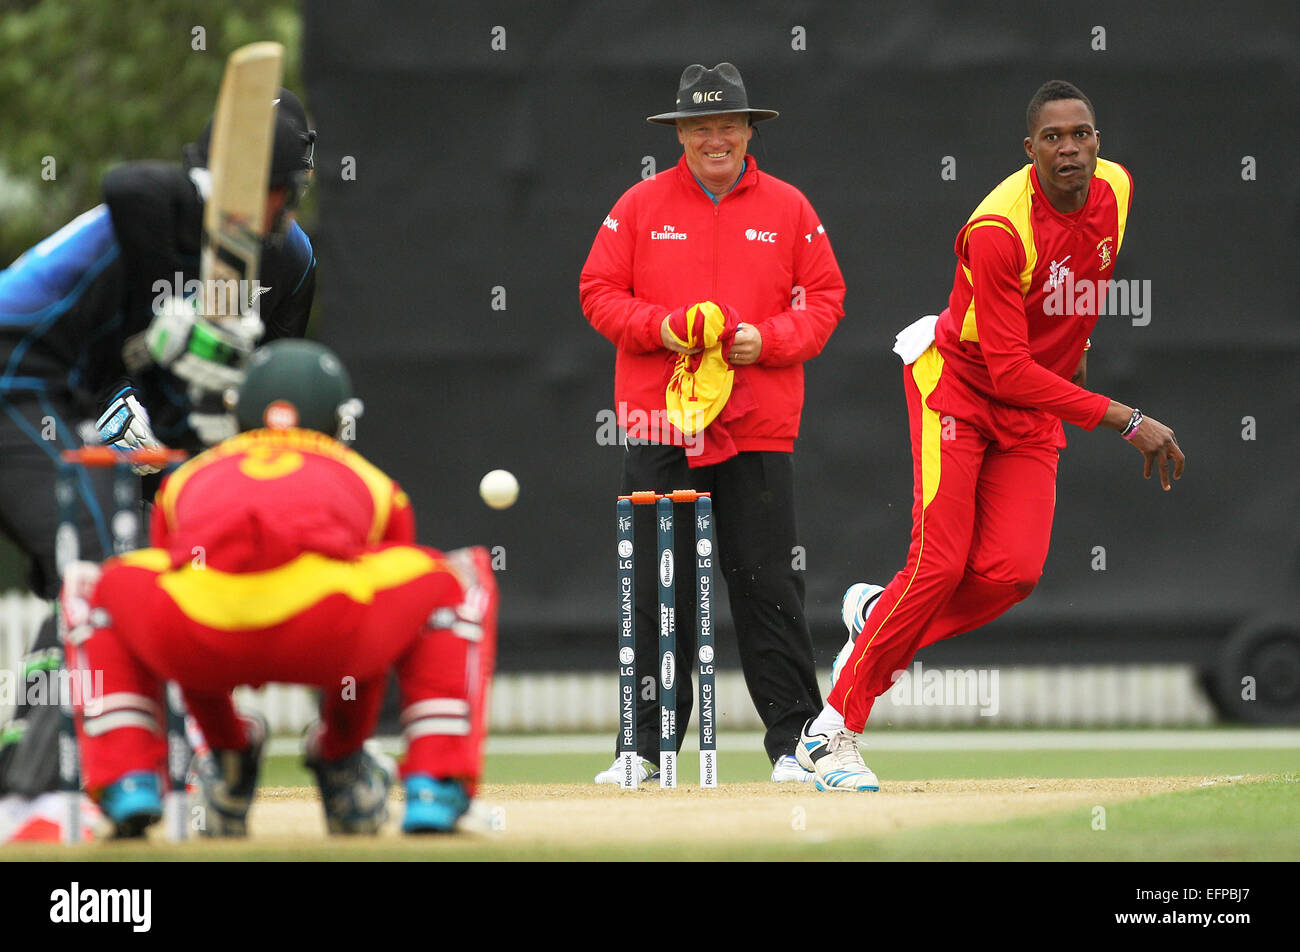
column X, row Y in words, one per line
column 339, row 626
column 984, row 493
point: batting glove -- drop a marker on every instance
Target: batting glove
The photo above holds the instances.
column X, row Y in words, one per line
column 203, row 353
column 125, row 424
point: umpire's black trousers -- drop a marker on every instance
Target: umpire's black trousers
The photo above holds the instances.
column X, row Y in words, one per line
column 754, row 525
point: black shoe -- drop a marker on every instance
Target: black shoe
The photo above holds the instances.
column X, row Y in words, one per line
column 354, row 789
column 227, row 780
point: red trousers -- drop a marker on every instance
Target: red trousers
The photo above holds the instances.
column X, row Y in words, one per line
column 339, row 626
column 984, row 493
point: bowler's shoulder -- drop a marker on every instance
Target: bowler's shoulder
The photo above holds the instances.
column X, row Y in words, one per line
column 1108, row 168
column 1117, row 177
column 1010, row 198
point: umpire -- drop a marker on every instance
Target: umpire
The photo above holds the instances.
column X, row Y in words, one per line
column 716, row 229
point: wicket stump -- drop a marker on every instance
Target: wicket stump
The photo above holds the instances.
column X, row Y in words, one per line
column 125, row 528
column 666, row 586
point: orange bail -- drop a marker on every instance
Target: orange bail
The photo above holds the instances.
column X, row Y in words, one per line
column 646, row 497
column 96, row 456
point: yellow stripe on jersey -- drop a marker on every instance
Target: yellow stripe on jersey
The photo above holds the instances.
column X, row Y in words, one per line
column 381, row 491
column 926, row 371
column 1114, row 174
column 309, row 441
column 230, row 601
column 1012, row 200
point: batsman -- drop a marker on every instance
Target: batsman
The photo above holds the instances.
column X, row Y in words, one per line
column 282, row 555
column 102, row 342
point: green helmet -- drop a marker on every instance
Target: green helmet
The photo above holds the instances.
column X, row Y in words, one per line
column 294, row 383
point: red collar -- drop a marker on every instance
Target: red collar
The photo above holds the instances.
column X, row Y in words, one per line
column 1070, row 217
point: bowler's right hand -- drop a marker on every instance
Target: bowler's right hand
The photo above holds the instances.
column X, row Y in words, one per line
column 1156, row 442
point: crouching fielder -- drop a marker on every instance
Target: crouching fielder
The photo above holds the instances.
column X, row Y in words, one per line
column 282, row 555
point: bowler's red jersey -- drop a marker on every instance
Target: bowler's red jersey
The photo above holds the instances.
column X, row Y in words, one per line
column 1026, row 296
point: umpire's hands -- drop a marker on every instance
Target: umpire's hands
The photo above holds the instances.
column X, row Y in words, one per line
column 746, row 346
column 669, row 339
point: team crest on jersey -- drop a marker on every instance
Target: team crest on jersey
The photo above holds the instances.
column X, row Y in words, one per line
column 1103, row 251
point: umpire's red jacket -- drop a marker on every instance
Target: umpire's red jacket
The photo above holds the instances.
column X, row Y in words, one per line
column 760, row 249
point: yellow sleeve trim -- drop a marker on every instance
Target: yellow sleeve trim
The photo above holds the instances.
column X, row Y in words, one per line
column 1012, row 200
column 1117, row 178
column 155, row 560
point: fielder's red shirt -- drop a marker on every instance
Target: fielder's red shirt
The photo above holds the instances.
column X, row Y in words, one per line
column 1025, row 294
column 262, row 498
column 761, row 249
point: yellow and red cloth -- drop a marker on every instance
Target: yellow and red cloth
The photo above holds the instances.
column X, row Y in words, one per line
column 703, row 395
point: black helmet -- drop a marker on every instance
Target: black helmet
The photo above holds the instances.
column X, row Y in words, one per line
column 293, row 150
column 295, row 383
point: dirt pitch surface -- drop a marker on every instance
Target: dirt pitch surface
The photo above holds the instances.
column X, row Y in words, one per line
column 585, row 822
column 559, row 814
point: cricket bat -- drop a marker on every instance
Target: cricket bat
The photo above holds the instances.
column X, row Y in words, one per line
column 239, row 163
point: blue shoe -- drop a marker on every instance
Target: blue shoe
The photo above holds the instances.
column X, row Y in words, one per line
column 133, row 804
column 433, row 806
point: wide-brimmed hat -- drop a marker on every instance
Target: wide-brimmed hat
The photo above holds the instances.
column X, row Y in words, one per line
column 709, row 92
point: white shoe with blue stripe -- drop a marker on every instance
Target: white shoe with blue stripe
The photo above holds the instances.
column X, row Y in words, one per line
column 835, row 760
column 787, row 769
column 857, row 604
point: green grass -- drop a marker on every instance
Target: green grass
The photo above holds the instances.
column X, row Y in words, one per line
column 889, row 765
column 1231, row 822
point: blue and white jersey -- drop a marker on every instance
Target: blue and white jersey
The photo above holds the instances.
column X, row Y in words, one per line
column 56, row 301
column 69, row 305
